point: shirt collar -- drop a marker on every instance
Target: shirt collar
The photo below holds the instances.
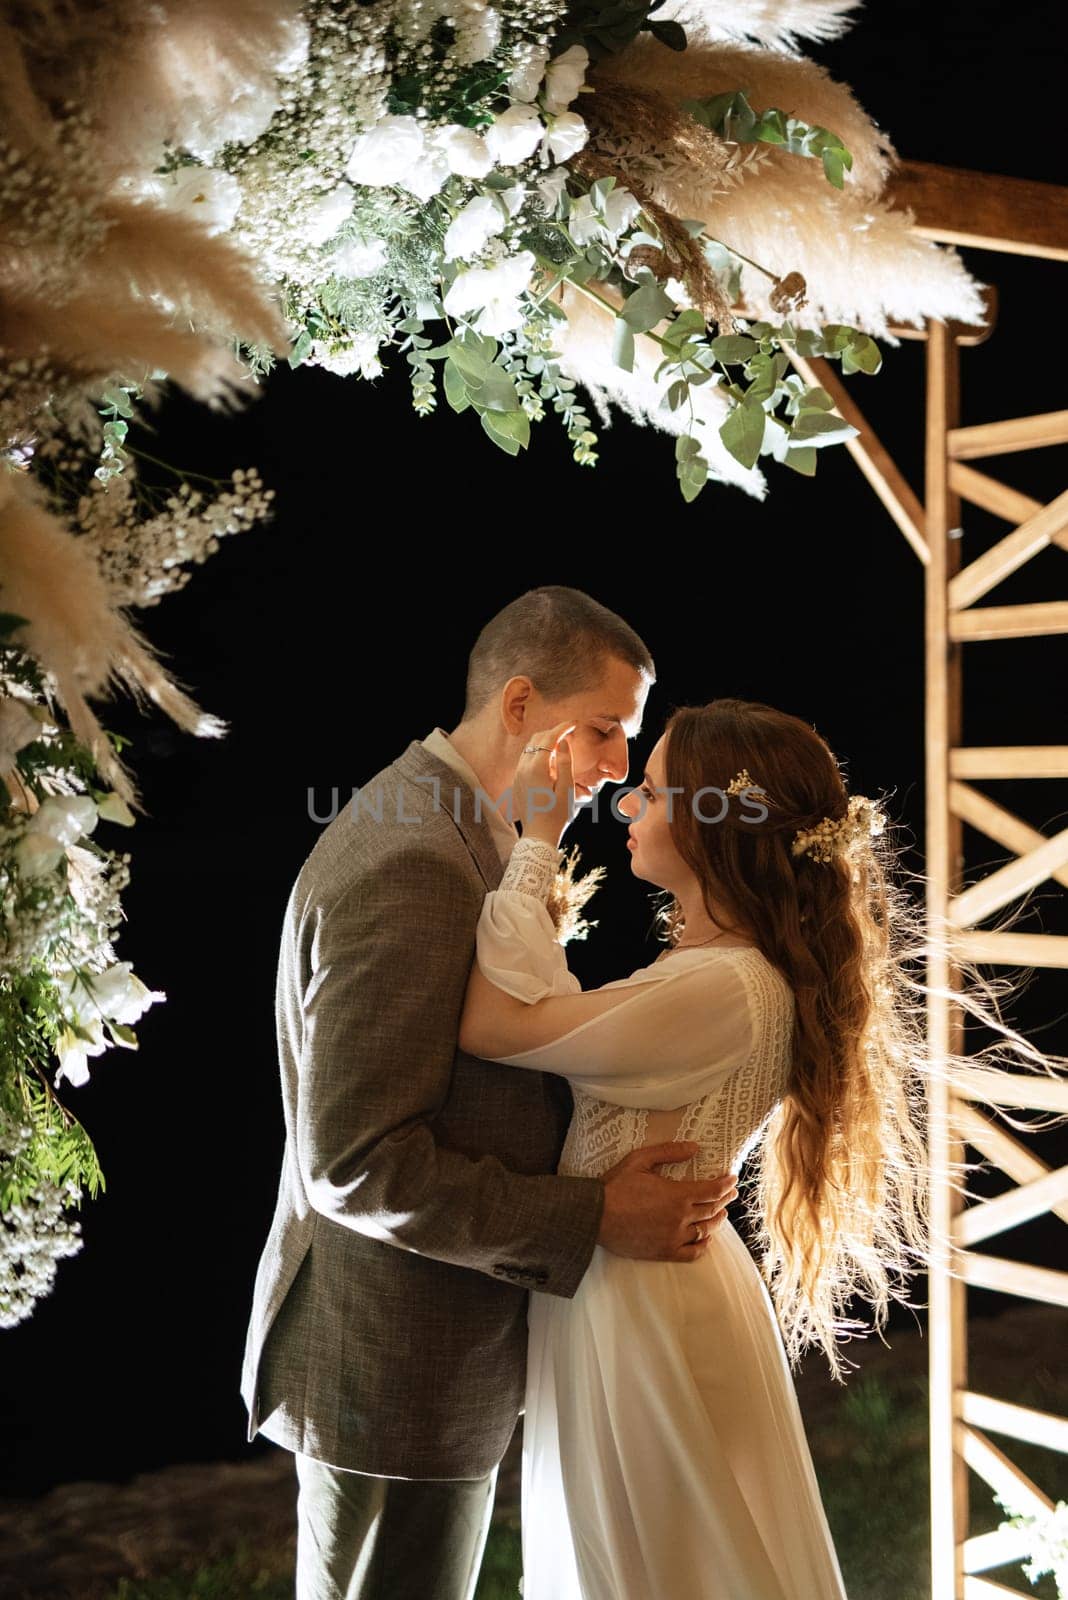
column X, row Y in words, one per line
column 505, row 833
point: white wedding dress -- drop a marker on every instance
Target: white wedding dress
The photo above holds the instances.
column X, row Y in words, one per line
column 664, row 1454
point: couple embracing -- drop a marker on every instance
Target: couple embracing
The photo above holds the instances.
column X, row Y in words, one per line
column 504, row 1194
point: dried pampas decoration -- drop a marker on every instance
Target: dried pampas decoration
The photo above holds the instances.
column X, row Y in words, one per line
column 569, row 894
column 84, row 644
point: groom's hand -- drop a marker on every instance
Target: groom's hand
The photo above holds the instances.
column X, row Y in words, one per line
column 651, row 1218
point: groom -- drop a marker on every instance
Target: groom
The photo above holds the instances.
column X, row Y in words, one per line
column 418, row 1201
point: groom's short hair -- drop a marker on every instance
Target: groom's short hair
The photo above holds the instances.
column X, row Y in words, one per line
column 559, row 638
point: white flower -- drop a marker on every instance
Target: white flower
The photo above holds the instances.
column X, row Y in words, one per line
column 464, row 150
column 525, row 80
column 211, row 197
column 564, row 78
column 359, row 258
column 18, row 727
column 565, row 136
column 241, row 121
column 428, row 174
column 512, row 197
column 386, row 153
column 296, row 51
column 327, row 213
column 37, row 854
column 121, row 995
column 586, row 222
column 478, row 32
column 64, row 818
column 514, row 135
column 360, row 356
column 492, row 293
column 551, row 187
column 469, row 230
column 72, row 1053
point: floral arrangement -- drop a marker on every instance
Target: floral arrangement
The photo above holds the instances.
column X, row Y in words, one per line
column 537, row 205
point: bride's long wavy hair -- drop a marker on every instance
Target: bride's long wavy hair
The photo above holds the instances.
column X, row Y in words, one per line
column 839, row 1202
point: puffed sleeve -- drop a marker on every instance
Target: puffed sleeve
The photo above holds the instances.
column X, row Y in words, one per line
column 664, row 1036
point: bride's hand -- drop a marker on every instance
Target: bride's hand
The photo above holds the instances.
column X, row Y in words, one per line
column 543, row 789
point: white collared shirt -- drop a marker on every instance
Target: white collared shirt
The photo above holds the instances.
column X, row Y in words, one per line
column 504, row 833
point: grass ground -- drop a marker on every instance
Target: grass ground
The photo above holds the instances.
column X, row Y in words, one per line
column 870, row 1450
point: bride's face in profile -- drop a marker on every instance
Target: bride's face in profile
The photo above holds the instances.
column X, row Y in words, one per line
column 647, row 808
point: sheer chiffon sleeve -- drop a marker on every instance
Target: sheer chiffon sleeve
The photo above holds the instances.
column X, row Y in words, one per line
column 660, row 1038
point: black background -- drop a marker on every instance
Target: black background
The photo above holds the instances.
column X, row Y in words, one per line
column 332, row 638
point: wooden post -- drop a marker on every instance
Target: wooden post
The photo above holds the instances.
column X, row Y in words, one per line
column 946, row 1330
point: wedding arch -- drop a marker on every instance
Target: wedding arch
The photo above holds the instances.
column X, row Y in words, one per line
column 1030, row 219
column 324, row 181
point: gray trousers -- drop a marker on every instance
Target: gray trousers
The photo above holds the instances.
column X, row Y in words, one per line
column 366, row 1538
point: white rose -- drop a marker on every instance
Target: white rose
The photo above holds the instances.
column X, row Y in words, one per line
column 64, row 818
column 493, row 293
column 464, row 150
column 213, row 198
column 359, row 259
column 427, row 176
column 241, row 121
column 564, row 78
column 469, row 230
column 565, row 136
column 525, row 80
column 327, row 213
column 384, row 154
column 514, row 135
column 36, row 854
column 18, row 727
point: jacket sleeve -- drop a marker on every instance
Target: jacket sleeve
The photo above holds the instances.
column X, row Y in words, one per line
column 378, row 1039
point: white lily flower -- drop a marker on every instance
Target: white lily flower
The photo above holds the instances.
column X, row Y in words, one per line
column 121, row 995
column 551, row 187
column 514, row 135
column 72, row 1053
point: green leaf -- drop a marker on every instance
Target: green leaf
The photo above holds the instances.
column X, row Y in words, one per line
column 456, row 388
column 834, row 167
column 509, row 429
column 685, row 325
column 623, row 345
column 862, row 355
column 669, row 33
column 676, row 395
column 647, row 306
column 820, row 428
column 732, row 348
column 300, row 349
column 497, row 391
column 743, row 432
column 691, row 468
column 818, row 398
column 803, row 460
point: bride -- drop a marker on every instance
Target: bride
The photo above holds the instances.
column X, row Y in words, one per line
column 664, row 1455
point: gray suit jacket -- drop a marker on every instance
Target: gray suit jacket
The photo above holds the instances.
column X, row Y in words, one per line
column 418, row 1202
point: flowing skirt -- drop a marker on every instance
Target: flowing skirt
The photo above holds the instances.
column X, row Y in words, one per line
column 664, row 1454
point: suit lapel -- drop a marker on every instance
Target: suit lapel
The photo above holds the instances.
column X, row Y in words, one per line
column 457, row 801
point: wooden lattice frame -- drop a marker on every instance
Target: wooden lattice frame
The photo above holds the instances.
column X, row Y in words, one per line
column 1027, row 219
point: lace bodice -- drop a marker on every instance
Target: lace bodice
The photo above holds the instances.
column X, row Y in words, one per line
column 695, row 1046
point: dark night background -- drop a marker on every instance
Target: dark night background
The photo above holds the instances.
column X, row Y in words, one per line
column 334, row 637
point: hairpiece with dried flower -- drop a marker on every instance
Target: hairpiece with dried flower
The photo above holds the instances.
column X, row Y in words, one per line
column 742, row 783
column 834, row 836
